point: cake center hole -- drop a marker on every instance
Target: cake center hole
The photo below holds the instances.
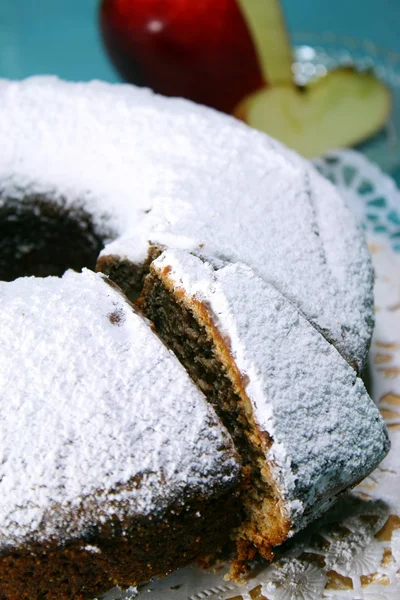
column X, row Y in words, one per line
column 39, row 237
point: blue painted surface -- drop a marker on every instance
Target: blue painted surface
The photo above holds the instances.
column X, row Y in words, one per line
column 52, row 36
column 374, row 20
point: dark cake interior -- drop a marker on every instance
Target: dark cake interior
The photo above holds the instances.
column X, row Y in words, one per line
column 39, row 237
column 200, row 348
column 127, row 275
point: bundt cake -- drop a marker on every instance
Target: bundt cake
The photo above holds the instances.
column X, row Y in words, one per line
column 251, row 270
column 114, row 467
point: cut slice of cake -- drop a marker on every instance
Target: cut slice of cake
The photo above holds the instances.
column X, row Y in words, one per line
column 300, row 417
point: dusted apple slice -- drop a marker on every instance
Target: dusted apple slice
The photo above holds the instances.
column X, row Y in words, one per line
column 341, row 109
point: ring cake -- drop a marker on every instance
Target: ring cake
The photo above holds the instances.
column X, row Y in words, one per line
column 118, row 463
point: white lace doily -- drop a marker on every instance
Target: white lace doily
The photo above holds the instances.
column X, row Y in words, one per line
column 353, row 552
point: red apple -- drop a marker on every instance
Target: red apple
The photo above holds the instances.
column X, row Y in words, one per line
column 198, row 49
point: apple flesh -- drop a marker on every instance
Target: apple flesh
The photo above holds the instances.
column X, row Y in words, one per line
column 200, row 50
column 266, row 24
column 341, row 109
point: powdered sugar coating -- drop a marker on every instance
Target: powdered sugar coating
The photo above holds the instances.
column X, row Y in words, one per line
column 327, row 433
column 166, row 171
column 89, row 412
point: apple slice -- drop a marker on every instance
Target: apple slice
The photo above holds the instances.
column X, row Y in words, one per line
column 341, row 109
column 266, row 24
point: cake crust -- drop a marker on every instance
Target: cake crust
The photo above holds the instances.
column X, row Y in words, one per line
column 84, row 568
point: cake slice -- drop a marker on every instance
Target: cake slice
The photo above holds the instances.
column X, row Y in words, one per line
column 300, row 417
column 114, row 468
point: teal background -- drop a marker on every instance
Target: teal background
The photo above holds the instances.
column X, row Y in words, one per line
column 61, row 36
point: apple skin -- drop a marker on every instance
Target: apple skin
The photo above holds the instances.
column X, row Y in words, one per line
column 197, row 49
